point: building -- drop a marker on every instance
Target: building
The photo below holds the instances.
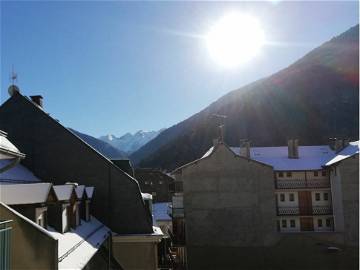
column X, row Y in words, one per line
column 155, row 182
column 57, row 155
column 245, row 206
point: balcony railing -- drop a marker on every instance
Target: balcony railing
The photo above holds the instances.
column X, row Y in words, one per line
column 5, row 233
column 298, row 211
column 302, row 183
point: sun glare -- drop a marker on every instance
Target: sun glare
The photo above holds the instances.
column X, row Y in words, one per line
column 235, row 39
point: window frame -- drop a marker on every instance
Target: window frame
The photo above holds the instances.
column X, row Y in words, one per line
column 317, row 196
column 282, row 197
column 283, row 223
column 291, row 197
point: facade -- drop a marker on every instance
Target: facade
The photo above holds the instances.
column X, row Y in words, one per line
column 243, row 206
column 155, row 182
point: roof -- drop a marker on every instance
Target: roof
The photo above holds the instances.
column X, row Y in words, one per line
column 89, row 192
column 310, row 157
column 17, row 174
column 24, row 193
column 7, row 149
column 160, row 211
column 146, row 196
column 146, row 174
column 79, row 190
column 63, row 192
column 79, row 245
column 349, row 151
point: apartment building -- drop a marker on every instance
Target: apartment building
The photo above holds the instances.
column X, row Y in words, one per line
column 258, row 202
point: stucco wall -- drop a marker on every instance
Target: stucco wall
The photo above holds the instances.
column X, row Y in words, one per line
column 349, row 174
column 31, row 248
column 229, row 201
column 136, row 256
column 54, row 154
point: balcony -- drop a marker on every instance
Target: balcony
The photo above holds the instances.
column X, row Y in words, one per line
column 5, row 233
column 302, row 183
column 307, row 211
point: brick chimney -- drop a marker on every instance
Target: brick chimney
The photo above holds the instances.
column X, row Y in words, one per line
column 293, row 148
column 245, row 148
column 38, row 100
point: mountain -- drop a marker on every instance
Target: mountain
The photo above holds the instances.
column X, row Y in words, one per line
column 129, row 143
column 104, row 148
column 313, row 99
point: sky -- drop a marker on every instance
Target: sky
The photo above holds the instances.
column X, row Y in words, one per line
column 117, row 67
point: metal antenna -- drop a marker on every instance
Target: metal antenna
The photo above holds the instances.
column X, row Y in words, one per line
column 13, row 75
column 221, row 126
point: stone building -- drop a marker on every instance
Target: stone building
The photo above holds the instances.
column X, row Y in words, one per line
column 268, row 208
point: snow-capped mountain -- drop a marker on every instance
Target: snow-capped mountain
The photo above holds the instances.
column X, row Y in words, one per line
column 130, row 142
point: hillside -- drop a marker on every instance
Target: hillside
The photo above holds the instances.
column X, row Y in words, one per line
column 104, row 148
column 313, row 99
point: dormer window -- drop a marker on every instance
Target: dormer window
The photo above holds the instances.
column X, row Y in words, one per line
column 281, row 174
column 288, row 174
column 323, row 173
column 316, row 173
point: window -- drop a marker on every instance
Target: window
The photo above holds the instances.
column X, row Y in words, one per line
column 320, row 223
column 151, row 183
column 282, row 197
column 292, row 223
column 288, row 174
column 316, row 173
column 146, row 182
column 328, row 222
column 161, row 182
column 326, row 196
column 284, row 223
column 323, row 173
column 281, row 174
column 291, row 197
column 317, row 196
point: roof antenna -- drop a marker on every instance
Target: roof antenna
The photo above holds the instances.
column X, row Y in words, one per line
column 13, row 88
column 221, row 126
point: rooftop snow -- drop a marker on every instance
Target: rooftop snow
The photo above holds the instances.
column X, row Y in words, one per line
column 350, row 150
column 63, row 192
column 80, row 191
column 24, row 193
column 89, row 192
column 310, row 157
column 160, row 211
column 17, row 174
column 6, row 145
column 146, row 196
column 77, row 247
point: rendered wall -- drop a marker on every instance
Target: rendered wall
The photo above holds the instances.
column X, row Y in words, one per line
column 56, row 155
column 30, row 247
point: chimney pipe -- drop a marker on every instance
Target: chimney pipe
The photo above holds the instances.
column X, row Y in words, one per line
column 293, row 148
column 38, row 100
column 245, row 148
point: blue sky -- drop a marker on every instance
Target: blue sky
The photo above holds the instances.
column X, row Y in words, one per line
column 114, row 67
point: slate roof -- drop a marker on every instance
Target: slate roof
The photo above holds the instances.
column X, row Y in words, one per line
column 349, row 151
column 24, row 193
column 17, row 174
column 63, row 192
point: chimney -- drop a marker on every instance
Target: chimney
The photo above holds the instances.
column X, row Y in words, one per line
column 215, row 142
column 293, row 148
column 38, row 100
column 245, row 148
column 340, row 144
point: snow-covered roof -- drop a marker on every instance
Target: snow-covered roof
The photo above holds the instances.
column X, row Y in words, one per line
column 63, row 192
column 89, row 192
column 17, row 174
column 349, row 151
column 146, row 196
column 79, row 190
column 7, row 149
column 24, row 193
column 160, row 211
column 79, row 245
column 310, row 157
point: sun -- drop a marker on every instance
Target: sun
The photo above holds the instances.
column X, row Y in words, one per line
column 235, row 39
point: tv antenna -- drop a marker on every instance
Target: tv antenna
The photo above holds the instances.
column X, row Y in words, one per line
column 222, row 118
column 13, row 76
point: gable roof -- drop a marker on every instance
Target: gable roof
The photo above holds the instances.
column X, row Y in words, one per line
column 17, row 174
column 349, row 151
column 79, row 190
column 24, row 193
column 63, row 192
column 310, row 157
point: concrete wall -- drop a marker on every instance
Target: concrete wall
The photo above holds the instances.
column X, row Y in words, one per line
column 349, row 174
column 56, row 155
column 31, row 248
column 136, row 256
